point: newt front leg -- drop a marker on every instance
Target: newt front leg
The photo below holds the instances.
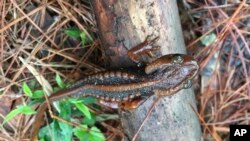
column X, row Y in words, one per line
column 144, row 48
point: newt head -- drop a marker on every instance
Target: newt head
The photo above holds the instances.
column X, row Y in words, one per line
column 174, row 71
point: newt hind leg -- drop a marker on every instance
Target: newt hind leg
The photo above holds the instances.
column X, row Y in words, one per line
column 124, row 105
column 144, row 48
column 132, row 104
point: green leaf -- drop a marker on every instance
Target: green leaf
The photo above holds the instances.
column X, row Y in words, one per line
column 38, row 94
column 73, row 32
column 27, row 90
column 74, row 100
column 44, row 134
column 90, row 122
column 10, row 115
column 59, row 81
column 81, row 134
column 93, row 135
column 208, row 39
column 85, row 100
column 65, row 108
column 56, row 131
column 35, row 101
column 68, row 85
column 89, row 100
column 26, row 110
column 84, row 38
column 84, row 109
column 66, row 131
column 96, row 134
column 33, row 84
column 19, row 110
column 56, row 89
column 60, row 130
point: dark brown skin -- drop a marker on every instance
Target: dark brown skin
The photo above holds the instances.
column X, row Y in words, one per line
column 125, row 90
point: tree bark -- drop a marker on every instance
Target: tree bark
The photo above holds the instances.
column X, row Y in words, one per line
column 124, row 24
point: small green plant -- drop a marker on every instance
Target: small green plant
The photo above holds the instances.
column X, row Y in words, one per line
column 21, row 109
column 77, row 33
column 61, row 130
column 208, row 39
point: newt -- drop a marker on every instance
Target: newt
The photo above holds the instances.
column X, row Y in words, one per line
column 126, row 90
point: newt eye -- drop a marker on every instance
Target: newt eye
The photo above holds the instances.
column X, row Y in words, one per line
column 177, row 59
